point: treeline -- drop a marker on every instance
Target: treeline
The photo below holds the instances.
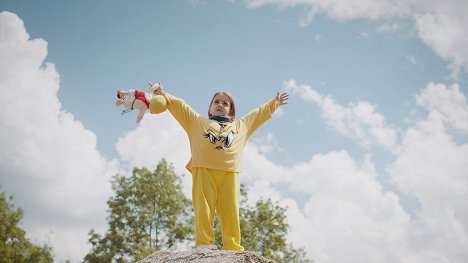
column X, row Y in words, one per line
column 14, row 246
column 149, row 212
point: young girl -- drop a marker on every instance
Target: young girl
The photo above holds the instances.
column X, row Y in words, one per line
column 217, row 144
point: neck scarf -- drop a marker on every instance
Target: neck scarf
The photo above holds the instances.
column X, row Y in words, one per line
column 220, row 118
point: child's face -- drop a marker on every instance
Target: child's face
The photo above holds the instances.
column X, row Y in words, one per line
column 220, row 106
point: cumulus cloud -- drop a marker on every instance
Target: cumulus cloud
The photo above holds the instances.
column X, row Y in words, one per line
column 262, row 189
column 158, row 136
column 347, row 209
column 446, row 104
column 433, row 167
column 360, row 121
column 347, row 201
column 350, row 212
column 48, row 159
column 440, row 24
column 267, row 144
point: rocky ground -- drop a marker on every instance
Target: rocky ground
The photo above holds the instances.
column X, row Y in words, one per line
column 207, row 256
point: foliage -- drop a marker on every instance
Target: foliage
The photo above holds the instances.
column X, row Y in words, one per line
column 148, row 212
column 263, row 230
column 14, row 246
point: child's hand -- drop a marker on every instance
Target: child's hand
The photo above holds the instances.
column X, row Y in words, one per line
column 282, row 98
column 156, row 88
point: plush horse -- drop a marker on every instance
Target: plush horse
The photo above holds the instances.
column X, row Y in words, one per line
column 142, row 101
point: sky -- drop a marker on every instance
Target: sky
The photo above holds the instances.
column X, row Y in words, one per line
column 370, row 156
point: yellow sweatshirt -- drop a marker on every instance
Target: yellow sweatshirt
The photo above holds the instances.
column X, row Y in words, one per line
column 213, row 144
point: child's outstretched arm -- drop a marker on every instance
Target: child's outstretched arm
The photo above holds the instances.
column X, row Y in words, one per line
column 260, row 115
column 182, row 112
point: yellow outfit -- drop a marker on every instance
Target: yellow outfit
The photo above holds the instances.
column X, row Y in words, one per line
column 217, row 149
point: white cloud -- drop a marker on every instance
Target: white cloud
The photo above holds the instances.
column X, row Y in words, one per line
column 158, row 136
column 440, row 24
column 258, row 167
column 388, row 28
column 347, row 209
column 359, row 121
column 267, row 143
column 429, row 165
column 433, row 168
column 341, row 10
column 48, row 160
column 262, row 189
column 445, row 103
column 443, row 28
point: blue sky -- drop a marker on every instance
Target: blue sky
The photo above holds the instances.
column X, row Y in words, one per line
column 196, row 49
column 378, row 102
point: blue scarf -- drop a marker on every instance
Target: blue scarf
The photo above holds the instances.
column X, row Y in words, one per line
column 220, row 118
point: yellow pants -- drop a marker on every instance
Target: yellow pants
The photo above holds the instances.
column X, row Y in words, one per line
column 216, row 190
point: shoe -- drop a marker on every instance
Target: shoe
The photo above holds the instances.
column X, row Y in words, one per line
column 207, row 247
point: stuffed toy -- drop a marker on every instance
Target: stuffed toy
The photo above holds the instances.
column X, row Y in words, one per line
column 142, row 101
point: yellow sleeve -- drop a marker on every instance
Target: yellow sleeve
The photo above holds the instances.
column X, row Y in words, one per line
column 182, row 112
column 258, row 116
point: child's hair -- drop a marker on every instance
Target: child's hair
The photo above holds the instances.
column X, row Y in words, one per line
column 232, row 108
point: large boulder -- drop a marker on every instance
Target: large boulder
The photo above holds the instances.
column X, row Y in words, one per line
column 205, row 256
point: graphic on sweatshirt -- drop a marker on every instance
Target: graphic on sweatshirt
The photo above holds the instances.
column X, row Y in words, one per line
column 223, row 141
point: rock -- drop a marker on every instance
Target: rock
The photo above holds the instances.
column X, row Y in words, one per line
column 205, row 256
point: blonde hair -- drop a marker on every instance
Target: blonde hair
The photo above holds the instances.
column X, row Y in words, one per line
column 232, row 108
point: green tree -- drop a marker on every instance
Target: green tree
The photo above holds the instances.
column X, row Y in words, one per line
column 263, row 230
column 148, row 212
column 14, row 246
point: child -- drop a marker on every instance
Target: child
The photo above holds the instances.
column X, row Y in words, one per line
column 140, row 100
column 217, row 145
